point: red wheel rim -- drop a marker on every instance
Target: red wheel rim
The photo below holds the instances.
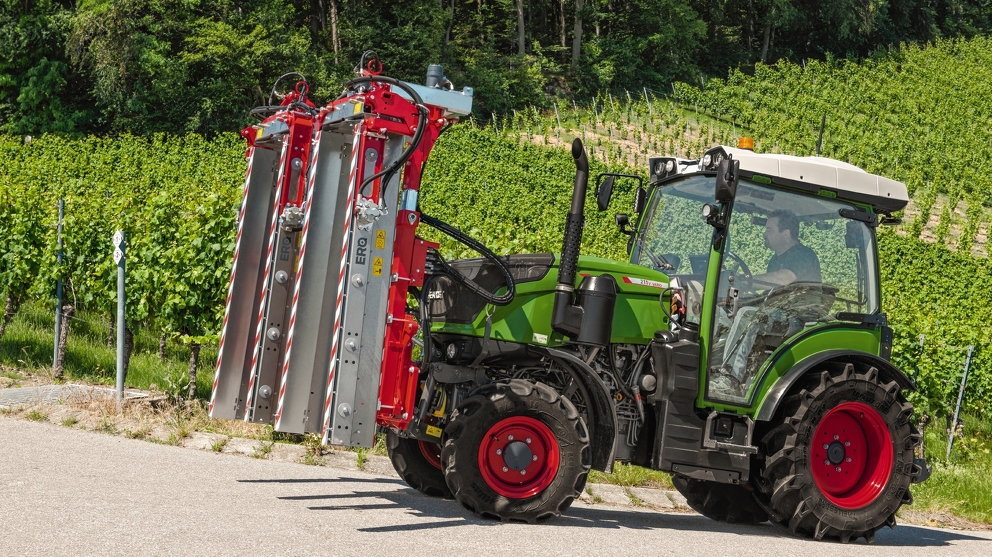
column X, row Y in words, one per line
column 519, row 457
column 851, row 455
column 431, row 452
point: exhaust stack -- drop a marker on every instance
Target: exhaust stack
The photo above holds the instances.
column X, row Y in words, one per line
column 590, row 319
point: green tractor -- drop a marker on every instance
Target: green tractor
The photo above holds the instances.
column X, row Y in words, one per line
column 742, row 349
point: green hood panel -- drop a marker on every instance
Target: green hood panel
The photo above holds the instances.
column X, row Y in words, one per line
column 527, row 319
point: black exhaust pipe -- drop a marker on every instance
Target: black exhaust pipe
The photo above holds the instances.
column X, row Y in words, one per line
column 566, row 317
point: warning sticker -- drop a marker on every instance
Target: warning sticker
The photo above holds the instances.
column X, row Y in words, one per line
column 377, row 266
column 433, row 431
column 380, row 239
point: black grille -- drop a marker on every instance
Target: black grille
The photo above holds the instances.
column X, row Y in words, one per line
column 451, row 302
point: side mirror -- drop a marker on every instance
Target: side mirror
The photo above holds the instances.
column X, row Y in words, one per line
column 604, row 191
column 727, row 176
column 623, row 223
column 640, row 199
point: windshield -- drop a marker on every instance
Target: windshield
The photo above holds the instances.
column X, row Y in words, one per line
column 675, row 238
column 791, row 261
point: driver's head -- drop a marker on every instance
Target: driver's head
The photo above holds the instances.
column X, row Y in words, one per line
column 781, row 231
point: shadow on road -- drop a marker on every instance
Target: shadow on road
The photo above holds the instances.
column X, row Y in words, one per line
column 443, row 513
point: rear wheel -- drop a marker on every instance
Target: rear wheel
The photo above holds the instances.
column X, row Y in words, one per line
column 840, row 463
column 418, row 463
column 722, row 502
column 516, row 451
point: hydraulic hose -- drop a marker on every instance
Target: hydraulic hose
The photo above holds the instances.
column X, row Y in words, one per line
column 467, row 240
column 388, row 173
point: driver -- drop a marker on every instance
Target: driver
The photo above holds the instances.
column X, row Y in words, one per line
column 790, row 262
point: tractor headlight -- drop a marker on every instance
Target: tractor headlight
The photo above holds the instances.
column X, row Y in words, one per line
column 662, row 167
column 712, row 159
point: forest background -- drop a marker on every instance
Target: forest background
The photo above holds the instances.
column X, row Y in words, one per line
column 179, row 66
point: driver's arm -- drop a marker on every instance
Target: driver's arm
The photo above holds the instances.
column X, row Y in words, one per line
column 780, row 277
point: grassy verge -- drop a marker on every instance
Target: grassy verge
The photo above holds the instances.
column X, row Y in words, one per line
column 28, row 344
column 961, row 485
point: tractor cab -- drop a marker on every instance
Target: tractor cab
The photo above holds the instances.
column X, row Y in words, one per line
column 766, row 250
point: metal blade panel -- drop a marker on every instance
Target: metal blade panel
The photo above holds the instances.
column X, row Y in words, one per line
column 356, row 387
column 303, row 385
column 231, row 376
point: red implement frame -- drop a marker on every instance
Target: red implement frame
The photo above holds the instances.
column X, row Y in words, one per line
column 386, row 112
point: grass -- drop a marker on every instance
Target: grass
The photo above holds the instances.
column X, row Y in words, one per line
column 28, row 344
column 218, row 445
column 36, row 416
column 263, row 449
column 630, row 475
column 314, row 450
column 961, row 485
column 70, row 421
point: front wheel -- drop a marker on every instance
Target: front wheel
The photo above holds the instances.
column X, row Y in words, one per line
column 516, row 451
column 840, row 462
column 418, row 463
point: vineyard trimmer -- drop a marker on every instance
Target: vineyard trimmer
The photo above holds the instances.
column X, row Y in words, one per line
column 767, row 395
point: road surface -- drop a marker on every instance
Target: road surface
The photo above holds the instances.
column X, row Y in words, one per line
column 70, row 492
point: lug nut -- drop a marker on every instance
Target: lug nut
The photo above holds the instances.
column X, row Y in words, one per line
column 847, row 443
column 510, row 437
column 528, row 440
column 826, row 462
column 836, row 437
column 505, row 469
column 499, row 451
column 534, row 458
column 825, row 446
column 522, row 472
column 849, row 459
column 838, row 468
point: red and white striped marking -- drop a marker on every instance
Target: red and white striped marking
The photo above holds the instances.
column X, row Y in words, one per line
column 307, row 197
column 339, row 303
column 250, row 402
column 230, row 287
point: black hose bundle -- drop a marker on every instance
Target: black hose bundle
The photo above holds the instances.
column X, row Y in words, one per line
column 489, row 297
column 388, row 173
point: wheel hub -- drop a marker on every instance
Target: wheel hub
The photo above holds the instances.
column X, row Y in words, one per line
column 519, row 457
column 851, row 455
column 835, row 452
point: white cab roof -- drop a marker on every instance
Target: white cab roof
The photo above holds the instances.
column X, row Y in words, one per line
column 883, row 193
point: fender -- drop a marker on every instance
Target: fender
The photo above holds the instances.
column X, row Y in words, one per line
column 602, row 414
column 886, row 371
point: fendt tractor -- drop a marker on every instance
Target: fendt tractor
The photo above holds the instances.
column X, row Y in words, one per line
column 742, row 347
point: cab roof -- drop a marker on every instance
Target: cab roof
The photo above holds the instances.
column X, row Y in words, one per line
column 847, row 180
column 814, row 174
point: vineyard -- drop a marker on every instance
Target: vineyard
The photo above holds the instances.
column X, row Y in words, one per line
column 177, row 196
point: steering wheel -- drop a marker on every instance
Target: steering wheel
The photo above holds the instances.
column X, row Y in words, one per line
column 738, row 268
column 812, row 299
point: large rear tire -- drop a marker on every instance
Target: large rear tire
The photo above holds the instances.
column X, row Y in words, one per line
column 516, row 451
column 840, row 462
column 418, row 463
column 722, row 502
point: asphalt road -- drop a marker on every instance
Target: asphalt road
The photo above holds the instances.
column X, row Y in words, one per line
column 71, row 492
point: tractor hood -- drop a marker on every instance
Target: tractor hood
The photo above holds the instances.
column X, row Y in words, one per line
column 527, row 319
